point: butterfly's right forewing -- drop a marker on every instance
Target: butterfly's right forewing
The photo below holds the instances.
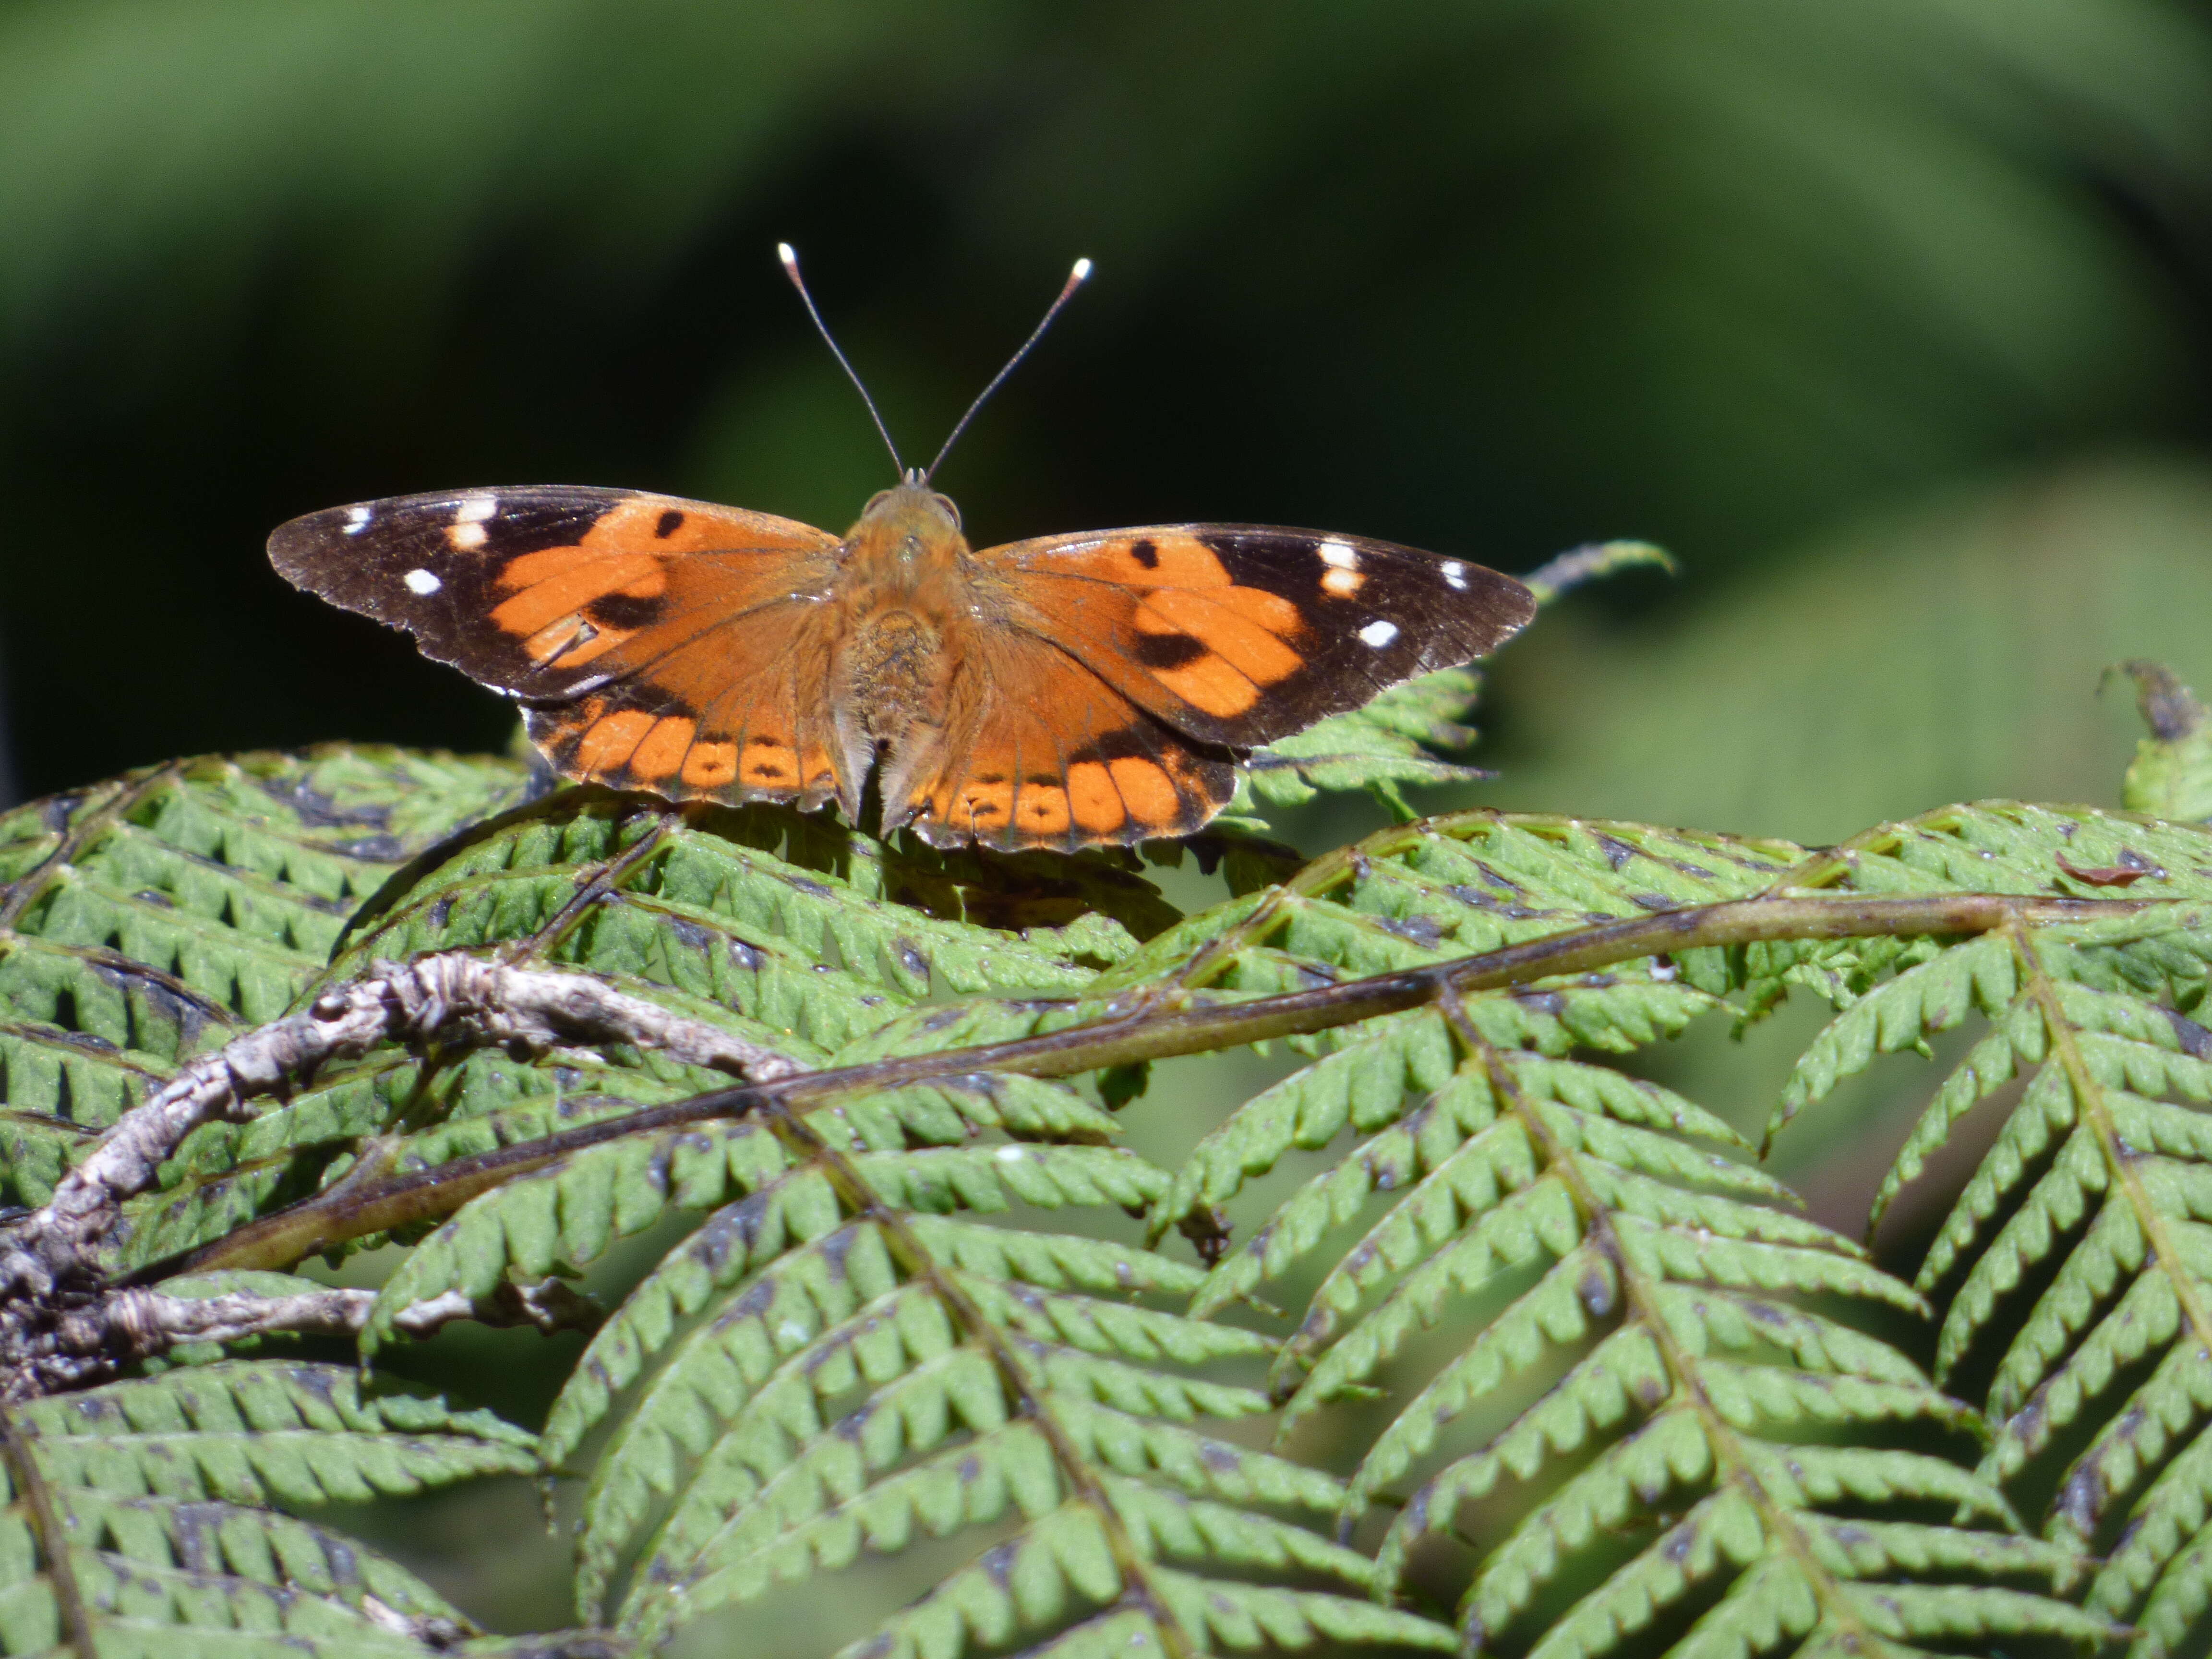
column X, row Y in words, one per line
column 1238, row 635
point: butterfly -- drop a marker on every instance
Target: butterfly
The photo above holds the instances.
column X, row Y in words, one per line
column 1062, row 692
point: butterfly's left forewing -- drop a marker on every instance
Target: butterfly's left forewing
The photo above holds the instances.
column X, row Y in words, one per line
column 657, row 643
column 1237, row 634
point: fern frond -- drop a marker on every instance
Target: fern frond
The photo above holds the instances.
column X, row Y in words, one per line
column 139, row 1515
column 872, row 1339
column 254, row 1432
column 1652, row 1276
column 897, row 1374
column 2077, row 1275
column 1391, row 742
column 148, row 918
column 1454, row 886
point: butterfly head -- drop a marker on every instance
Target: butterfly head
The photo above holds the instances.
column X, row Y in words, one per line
column 907, row 524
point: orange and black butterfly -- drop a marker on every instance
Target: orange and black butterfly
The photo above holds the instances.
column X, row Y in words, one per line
column 1062, row 692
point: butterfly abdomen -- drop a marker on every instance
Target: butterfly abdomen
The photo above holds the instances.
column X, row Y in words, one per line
column 891, row 673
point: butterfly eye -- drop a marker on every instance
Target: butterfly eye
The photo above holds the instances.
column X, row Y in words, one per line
column 875, row 502
column 952, row 511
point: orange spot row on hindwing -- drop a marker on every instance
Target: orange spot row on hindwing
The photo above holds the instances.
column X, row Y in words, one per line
column 1096, row 797
column 664, row 749
column 610, row 741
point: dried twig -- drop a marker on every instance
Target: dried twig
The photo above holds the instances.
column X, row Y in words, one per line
column 61, row 1327
column 101, row 1333
column 1139, row 1030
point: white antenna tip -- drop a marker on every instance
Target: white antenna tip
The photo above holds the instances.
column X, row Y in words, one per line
column 789, row 255
column 1082, row 271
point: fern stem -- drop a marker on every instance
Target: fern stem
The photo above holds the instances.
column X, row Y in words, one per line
column 53, row 1542
column 1140, row 1033
column 1855, row 1637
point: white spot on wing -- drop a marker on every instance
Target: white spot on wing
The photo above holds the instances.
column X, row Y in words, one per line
column 466, row 537
column 1376, row 634
column 1343, row 583
column 1455, row 574
column 475, row 509
column 1339, row 555
column 356, row 520
column 422, row 581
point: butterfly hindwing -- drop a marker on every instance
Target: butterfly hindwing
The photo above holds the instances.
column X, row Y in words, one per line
column 657, row 643
column 1240, row 634
column 708, row 721
column 1037, row 750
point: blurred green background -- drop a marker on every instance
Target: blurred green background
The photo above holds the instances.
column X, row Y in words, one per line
column 1892, row 320
column 1889, row 318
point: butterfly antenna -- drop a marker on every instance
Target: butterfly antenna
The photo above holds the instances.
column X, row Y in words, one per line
column 1076, row 278
column 789, row 255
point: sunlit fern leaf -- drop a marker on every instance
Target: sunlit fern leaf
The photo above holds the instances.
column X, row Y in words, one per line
column 252, row 1432
column 149, row 918
column 1038, row 1418
column 566, row 1216
column 1660, row 1282
column 259, row 1545
column 1395, row 740
column 2075, row 1272
column 2175, row 1609
column 736, row 917
column 168, row 1563
column 793, row 1292
column 1479, row 1181
column 1456, row 885
column 1903, row 1012
column 1999, row 847
column 859, row 1372
column 1434, row 1140
column 2015, row 846
column 721, row 884
column 137, row 1514
column 739, row 1389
